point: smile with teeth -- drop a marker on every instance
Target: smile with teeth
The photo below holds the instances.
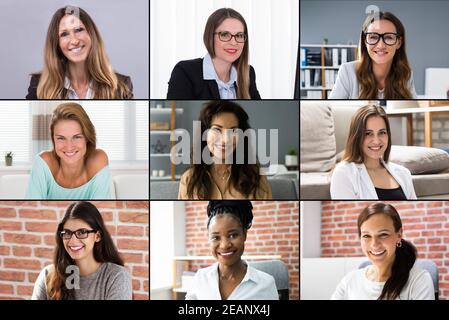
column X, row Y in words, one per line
column 377, row 253
column 76, row 249
column 77, row 49
column 377, row 148
column 226, row 254
column 70, row 154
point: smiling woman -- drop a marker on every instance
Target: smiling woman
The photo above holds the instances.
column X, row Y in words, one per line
column 86, row 265
column 230, row 278
column 224, row 73
column 74, row 168
column 393, row 273
column 365, row 172
column 75, row 62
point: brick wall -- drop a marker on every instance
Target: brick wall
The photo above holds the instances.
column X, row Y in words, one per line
column 440, row 130
column 27, row 241
column 425, row 224
column 275, row 231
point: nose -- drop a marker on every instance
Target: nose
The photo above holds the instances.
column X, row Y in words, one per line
column 234, row 41
column 225, row 243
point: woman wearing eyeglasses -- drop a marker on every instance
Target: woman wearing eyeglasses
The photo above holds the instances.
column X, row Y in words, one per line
column 86, row 263
column 224, row 73
column 383, row 71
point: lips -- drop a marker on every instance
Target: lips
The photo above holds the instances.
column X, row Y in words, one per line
column 377, row 253
column 70, row 154
column 76, row 50
column 227, row 254
column 231, row 51
column 375, row 148
column 381, row 53
column 76, row 249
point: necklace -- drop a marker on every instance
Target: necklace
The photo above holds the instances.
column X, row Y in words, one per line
column 223, row 175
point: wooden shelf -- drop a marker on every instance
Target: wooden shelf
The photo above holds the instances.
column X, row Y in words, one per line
column 166, row 111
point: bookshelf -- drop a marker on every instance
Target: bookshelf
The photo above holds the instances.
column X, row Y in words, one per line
column 162, row 126
column 319, row 64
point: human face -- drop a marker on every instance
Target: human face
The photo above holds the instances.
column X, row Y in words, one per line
column 381, row 53
column 375, row 141
column 226, row 239
column 79, row 249
column 222, row 137
column 70, row 142
column 379, row 239
column 231, row 50
column 74, row 40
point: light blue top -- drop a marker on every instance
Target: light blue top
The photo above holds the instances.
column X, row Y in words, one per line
column 347, row 86
column 42, row 185
column 225, row 89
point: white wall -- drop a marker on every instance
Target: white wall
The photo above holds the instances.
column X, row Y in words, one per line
column 177, row 28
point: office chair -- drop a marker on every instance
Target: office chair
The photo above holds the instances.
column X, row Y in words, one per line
column 425, row 264
column 279, row 271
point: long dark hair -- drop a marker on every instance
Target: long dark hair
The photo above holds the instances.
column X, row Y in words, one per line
column 245, row 177
column 397, row 81
column 405, row 255
column 104, row 250
column 354, row 144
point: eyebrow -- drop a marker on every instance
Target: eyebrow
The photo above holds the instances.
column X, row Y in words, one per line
column 232, row 230
column 382, row 230
column 76, row 134
column 217, row 125
column 369, row 130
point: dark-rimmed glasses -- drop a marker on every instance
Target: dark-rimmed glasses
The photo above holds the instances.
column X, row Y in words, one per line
column 389, row 38
column 226, row 36
column 79, row 234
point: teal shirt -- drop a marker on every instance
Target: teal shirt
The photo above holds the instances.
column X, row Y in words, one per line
column 42, row 185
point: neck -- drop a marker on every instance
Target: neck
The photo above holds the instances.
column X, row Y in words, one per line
column 381, row 273
column 227, row 272
column 222, row 68
column 372, row 164
column 87, row 265
column 78, row 75
column 380, row 73
column 72, row 171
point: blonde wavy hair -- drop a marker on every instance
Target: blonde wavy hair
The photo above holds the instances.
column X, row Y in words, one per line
column 241, row 63
column 397, row 81
column 105, row 83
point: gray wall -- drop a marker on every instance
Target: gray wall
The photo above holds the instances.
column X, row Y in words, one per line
column 426, row 24
column 123, row 25
column 282, row 115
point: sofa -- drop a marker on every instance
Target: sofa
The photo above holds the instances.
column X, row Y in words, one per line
column 323, row 132
column 282, row 188
column 123, row 186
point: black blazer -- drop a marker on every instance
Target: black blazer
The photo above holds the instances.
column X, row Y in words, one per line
column 186, row 82
column 32, row 89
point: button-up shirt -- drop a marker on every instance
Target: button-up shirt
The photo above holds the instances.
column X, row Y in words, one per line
column 227, row 90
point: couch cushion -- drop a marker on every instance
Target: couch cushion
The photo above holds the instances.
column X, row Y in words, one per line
column 317, row 140
column 420, row 160
column 431, row 185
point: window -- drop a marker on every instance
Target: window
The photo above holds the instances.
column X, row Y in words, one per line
column 15, row 130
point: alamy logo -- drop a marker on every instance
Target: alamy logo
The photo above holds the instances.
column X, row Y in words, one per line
column 73, row 280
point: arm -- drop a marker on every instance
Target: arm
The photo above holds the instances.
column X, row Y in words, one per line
column 254, row 93
column 264, row 191
column 422, row 288
column 40, row 288
column 340, row 291
column 98, row 168
column 120, row 288
column 411, row 194
column 341, row 184
column 37, row 184
column 129, row 86
column 182, row 193
column 32, row 88
column 412, row 88
column 341, row 89
column 180, row 86
column 192, row 291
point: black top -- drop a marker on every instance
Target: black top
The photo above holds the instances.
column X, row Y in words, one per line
column 32, row 89
column 186, row 82
column 390, row 194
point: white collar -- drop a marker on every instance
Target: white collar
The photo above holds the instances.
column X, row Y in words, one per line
column 210, row 74
column 72, row 92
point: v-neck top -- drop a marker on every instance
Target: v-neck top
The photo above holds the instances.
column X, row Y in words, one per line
column 42, row 185
column 262, row 193
column 255, row 285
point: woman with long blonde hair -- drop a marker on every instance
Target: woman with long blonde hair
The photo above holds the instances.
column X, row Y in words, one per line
column 75, row 62
column 382, row 71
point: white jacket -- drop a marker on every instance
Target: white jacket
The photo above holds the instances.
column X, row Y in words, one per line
column 351, row 181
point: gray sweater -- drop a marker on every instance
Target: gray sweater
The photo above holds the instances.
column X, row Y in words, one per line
column 109, row 282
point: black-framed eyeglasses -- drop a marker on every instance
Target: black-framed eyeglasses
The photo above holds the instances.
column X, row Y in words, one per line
column 389, row 38
column 226, row 36
column 79, row 234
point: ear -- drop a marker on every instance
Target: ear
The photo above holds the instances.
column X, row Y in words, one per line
column 399, row 44
column 399, row 233
column 97, row 236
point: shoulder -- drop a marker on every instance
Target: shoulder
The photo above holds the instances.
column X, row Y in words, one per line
column 252, row 72
column 260, row 276
column 50, row 160
column 190, row 64
column 356, row 275
column 398, row 168
column 186, row 175
column 35, row 77
column 96, row 161
column 346, row 167
column 116, row 270
column 207, row 271
column 350, row 66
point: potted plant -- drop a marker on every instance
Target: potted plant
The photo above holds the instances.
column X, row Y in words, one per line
column 291, row 158
column 8, row 158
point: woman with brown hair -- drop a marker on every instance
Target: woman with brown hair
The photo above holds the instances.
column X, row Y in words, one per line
column 74, row 168
column 75, row 62
column 393, row 273
column 86, row 263
column 365, row 172
column 382, row 71
column 228, row 174
column 224, row 73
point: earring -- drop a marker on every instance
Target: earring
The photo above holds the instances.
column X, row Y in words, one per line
column 399, row 244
